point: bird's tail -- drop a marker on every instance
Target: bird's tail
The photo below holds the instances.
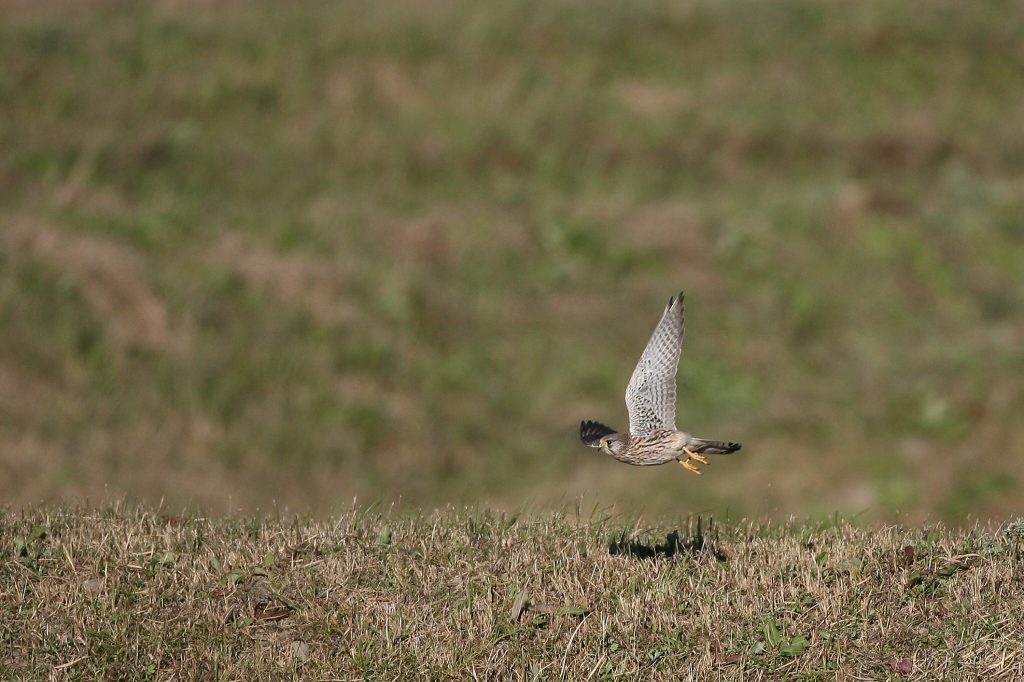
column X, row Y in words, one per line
column 702, row 446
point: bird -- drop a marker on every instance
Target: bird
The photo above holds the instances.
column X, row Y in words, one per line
column 653, row 438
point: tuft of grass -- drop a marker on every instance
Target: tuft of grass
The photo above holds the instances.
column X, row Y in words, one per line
column 119, row 593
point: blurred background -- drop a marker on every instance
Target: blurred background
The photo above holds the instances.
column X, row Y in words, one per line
column 263, row 255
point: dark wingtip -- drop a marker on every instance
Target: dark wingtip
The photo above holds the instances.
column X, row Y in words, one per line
column 592, row 432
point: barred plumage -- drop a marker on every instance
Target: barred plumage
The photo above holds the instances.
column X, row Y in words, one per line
column 651, row 401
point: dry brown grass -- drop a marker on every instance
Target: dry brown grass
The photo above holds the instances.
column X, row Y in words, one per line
column 123, row 594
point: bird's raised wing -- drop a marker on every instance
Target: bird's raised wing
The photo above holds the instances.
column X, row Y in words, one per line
column 651, row 393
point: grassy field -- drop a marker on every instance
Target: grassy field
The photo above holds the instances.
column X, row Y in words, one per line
column 260, row 255
column 469, row 594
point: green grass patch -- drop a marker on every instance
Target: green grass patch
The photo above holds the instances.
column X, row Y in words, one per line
column 255, row 254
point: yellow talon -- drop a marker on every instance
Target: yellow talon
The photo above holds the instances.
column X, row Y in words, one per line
column 694, row 455
column 689, row 467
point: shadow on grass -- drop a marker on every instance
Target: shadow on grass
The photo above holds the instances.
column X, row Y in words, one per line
column 696, row 544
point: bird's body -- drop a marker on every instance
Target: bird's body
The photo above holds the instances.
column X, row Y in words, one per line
column 660, row 447
column 651, row 401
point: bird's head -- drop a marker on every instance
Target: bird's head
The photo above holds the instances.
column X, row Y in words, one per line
column 613, row 444
column 597, row 435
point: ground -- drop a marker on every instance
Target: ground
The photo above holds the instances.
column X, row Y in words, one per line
column 120, row 593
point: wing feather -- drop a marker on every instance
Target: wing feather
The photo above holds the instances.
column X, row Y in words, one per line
column 651, row 393
column 591, row 433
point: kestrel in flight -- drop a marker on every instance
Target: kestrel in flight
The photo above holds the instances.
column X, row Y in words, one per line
column 651, row 401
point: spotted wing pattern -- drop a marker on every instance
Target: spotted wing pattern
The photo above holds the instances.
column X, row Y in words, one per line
column 651, row 393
